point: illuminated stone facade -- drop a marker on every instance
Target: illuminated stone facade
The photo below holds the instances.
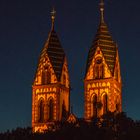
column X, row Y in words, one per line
column 102, row 83
column 50, row 90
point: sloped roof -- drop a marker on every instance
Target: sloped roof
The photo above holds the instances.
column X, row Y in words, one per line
column 55, row 52
column 104, row 41
column 72, row 118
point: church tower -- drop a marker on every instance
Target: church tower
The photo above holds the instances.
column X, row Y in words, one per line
column 50, row 89
column 102, row 82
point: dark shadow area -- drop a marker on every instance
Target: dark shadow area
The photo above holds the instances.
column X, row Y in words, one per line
column 111, row 126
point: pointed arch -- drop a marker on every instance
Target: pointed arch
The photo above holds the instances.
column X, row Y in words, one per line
column 104, row 101
column 98, row 69
column 94, row 105
column 46, row 76
column 51, row 109
column 41, row 110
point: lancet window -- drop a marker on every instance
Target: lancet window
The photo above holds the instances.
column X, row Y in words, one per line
column 98, row 70
column 41, row 110
column 46, row 77
column 94, row 105
column 104, row 103
column 51, row 110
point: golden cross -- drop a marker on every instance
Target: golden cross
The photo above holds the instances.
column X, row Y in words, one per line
column 53, row 13
column 102, row 10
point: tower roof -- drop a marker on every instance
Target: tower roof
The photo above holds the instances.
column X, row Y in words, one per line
column 104, row 41
column 72, row 118
column 53, row 49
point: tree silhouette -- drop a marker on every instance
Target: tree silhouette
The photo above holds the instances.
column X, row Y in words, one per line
column 111, row 126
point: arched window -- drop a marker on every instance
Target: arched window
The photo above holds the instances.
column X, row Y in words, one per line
column 98, row 69
column 64, row 79
column 41, row 111
column 46, row 77
column 51, row 110
column 94, row 104
column 64, row 111
column 104, row 103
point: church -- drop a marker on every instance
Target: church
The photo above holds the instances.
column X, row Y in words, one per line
column 51, row 85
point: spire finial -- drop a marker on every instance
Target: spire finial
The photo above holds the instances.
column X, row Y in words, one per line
column 53, row 13
column 71, row 109
column 102, row 10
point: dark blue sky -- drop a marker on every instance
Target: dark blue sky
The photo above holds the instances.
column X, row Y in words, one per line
column 24, row 27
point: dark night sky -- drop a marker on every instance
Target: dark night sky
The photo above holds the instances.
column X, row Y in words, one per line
column 24, row 27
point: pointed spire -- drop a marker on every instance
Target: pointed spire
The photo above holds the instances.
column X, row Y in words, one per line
column 53, row 13
column 71, row 110
column 102, row 11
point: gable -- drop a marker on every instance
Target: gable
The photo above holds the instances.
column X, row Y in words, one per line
column 44, row 64
column 53, row 52
column 104, row 41
column 90, row 73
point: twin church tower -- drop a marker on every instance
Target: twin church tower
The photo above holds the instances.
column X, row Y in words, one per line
column 102, row 81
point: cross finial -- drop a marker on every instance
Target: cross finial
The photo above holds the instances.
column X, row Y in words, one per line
column 53, row 13
column 102, row 10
